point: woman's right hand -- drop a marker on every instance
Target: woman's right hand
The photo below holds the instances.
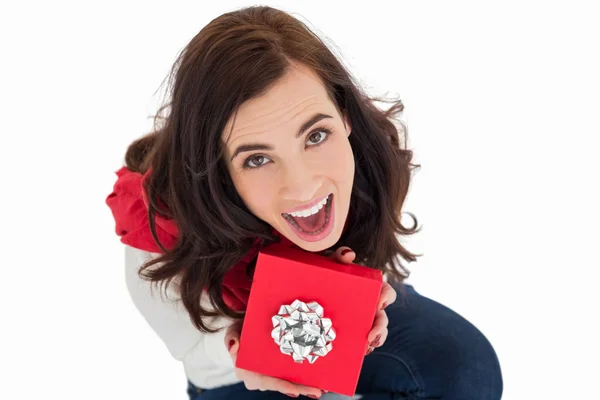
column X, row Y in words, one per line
column 256, row 381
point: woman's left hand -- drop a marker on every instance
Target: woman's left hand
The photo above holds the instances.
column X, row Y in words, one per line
column 379, row 331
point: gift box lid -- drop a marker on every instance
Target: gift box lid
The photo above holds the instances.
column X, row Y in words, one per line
column 305, row 257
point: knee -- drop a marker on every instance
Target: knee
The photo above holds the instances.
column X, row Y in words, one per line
column 476, row 372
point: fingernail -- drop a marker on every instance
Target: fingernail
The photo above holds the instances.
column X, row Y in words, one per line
column 230, row 345
column 292, row 395
column 369, row 351
column 375, row 341
column 345, row 251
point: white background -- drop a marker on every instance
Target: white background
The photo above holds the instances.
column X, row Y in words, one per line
column 502, row 105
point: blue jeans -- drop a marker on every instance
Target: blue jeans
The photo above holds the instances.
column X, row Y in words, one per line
column 431, row 353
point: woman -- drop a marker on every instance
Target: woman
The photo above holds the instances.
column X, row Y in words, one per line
column 267, row 140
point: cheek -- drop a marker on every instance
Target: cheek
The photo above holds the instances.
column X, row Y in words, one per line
column 339, row 163
column 256, row 194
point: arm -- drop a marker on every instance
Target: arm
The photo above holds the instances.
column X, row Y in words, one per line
column 170, row 320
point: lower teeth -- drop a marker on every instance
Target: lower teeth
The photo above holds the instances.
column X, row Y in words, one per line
column 327, row 210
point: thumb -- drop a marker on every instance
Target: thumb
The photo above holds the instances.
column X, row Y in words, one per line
column 344, row 255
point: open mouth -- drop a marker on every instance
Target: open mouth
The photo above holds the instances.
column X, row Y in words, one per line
column 315, row 222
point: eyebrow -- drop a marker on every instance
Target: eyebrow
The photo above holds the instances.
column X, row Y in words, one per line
column 261, row 146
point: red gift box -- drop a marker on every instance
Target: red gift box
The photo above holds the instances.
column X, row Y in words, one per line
column 349, row 295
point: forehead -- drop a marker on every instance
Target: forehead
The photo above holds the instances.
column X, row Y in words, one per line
column 298, row 93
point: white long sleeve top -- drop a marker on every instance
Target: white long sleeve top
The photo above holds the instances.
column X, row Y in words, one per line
column 206, row 362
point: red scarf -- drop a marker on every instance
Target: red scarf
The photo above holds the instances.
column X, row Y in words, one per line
column 129, row 205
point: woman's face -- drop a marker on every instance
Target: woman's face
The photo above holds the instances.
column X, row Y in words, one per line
column 291, row 162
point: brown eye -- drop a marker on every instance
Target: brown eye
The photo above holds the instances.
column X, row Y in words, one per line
column 255, row 161
column 317, row 137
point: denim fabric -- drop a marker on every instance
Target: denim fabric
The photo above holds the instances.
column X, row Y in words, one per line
column 431, row 353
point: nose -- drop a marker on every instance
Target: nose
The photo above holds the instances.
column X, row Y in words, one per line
column 299, row 182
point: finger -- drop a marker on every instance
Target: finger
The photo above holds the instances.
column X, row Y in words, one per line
column 286, row 387
column 255, row 381
column 380, row 339
column 387, row 296
column 378, row 342
column 279, row 385
column 229, row 336
column 232, row 334
column 308, row 390
column 234, row 346
column 344, row 255
column 379, row 327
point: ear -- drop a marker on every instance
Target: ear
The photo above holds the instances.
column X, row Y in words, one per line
column 347, row 125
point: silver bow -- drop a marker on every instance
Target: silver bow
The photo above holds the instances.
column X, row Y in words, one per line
column 301, row 331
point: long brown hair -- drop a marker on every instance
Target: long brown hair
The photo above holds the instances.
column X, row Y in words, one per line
column 237, row 57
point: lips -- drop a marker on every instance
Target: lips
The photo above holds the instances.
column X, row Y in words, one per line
column 307, row 207
column 316, row 220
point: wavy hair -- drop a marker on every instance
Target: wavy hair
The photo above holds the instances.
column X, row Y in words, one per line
column 236, row 57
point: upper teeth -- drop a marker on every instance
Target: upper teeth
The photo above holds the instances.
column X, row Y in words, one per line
column 310, row 211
